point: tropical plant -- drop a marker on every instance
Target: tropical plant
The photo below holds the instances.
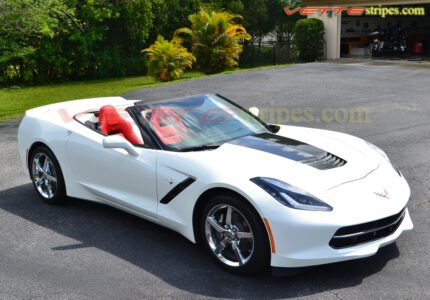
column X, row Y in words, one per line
column 167, row 60
column 216, row 39
column 257, row 14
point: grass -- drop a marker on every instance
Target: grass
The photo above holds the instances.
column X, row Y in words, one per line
column 15, row 101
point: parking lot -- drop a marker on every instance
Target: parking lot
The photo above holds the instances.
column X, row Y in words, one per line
column 88, row 251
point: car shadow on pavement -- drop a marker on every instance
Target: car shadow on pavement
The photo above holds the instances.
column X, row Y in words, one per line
column 171, row 257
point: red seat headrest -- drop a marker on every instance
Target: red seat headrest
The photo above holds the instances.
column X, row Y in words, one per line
column 166, row 124
column 112, row 123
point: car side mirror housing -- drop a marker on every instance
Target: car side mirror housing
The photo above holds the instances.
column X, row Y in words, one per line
column 255, row 111
column 118, row 142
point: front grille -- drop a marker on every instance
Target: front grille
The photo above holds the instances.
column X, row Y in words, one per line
column 325, row 161
column 367, row 232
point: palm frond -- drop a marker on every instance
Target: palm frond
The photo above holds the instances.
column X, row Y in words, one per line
column 216, row 39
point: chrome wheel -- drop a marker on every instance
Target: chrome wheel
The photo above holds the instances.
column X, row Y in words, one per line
column 229, row 235
column 44, row 175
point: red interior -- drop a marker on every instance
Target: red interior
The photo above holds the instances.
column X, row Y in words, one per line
column 167, row 125
column 112, row 123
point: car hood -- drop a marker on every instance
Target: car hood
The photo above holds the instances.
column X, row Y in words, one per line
column 312, row 159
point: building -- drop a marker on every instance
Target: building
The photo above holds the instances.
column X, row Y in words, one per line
column 349, row 36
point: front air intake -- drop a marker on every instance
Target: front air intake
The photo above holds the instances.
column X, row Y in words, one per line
column 363, row 233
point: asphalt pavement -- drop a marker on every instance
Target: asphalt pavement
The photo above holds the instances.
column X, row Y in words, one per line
column 88, row 251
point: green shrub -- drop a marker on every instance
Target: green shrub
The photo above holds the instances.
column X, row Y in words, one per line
column 309, row 39
column 216, row 39
column 167, row 60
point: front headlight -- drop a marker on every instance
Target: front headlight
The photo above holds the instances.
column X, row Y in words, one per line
column 291, row 196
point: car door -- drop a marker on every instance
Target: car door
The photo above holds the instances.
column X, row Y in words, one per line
column 112, row 175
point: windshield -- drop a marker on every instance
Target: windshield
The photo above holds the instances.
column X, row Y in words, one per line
column 196, row 122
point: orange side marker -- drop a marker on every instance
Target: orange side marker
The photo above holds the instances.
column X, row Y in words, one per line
column 272, row 240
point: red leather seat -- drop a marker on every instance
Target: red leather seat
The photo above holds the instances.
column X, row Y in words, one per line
column 168, row 135
column 112, row 123
column 168, row 125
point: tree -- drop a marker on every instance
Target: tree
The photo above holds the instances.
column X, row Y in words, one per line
column 25, row 24
column 309, row 38
column 234, row 6
column 170, row 15
column 283, row 25
column 215, row 39
column 109, row 42
column 55, row 40
column 167, row 60
column 257, row 18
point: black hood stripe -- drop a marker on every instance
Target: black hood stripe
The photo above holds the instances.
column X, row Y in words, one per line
column 290, row 149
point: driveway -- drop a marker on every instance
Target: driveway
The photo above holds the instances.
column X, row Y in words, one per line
column 89, row 251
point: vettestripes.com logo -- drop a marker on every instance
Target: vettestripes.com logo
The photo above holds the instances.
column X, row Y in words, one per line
column 358, row 11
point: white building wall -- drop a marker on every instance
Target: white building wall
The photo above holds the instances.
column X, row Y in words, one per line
column 332, row 26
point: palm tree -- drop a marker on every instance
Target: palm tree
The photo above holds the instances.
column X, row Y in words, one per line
column 216, row 39
column 167, row 60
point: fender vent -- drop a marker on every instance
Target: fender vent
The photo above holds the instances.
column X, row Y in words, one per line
column 325, row 161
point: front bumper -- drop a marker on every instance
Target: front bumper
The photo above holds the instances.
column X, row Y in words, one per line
column 324, row 254
column 302, row 238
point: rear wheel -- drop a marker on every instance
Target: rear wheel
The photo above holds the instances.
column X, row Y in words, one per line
column 233, row 233
column 45, row 172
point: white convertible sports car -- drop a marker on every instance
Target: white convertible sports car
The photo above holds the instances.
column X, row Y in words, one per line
column 254, row 194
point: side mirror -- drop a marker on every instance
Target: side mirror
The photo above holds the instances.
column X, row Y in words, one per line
column 255, row 111
column 118, row 142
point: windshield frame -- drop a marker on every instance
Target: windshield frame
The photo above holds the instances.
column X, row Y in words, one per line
column 135, row 111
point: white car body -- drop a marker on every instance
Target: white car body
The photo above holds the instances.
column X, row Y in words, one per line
column 364, row 190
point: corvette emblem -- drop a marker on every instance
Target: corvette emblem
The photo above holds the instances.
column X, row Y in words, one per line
column 384, row 194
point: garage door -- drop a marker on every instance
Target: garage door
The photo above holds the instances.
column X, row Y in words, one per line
column 402, row 36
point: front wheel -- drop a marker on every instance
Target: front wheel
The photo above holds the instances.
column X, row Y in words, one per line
column 234, row 234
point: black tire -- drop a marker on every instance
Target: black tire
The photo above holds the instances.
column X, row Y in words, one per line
column 260, row 257
column 59, row 196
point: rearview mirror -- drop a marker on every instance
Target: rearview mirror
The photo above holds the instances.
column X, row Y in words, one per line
column 118, row 142
column 255, row 111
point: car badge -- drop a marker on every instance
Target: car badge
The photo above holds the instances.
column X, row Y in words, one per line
column 384, row 194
